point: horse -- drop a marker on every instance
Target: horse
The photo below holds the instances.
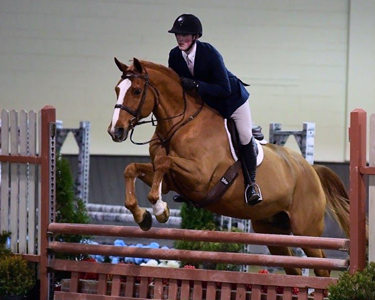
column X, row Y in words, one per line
column 190, row 152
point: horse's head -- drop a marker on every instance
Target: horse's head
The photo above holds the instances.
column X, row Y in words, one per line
column 135, row 100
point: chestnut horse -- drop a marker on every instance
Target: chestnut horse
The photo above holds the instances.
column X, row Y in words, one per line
column 190, row 152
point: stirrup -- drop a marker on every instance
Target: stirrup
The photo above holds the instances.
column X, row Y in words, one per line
column 256, row 195
column 180, row 199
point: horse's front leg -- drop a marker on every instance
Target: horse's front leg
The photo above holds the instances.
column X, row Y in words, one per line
column 145, row 172
column 184, row 168
column 160, row 208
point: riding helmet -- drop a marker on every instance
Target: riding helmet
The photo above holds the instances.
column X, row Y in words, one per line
column 187, row 24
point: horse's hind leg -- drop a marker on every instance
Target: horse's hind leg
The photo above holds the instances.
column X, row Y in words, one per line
column 270, row 228
column 311, row 230
column 317, row 253
column 312, row 252
column 310, row 223
column 143, row 171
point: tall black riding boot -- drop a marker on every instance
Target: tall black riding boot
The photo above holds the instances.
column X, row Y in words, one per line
column 252, row 192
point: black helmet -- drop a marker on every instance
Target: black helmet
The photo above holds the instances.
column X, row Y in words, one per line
column 187, row 24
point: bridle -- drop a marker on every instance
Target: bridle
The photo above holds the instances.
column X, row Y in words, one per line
column 137, row 113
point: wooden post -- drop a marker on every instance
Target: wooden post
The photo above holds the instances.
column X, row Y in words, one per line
column 372, row 192
column 357, row 194
column 47, row 203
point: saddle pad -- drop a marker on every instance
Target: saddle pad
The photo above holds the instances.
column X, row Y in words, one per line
column 260, row 154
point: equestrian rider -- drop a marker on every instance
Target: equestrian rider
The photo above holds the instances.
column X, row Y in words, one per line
column 201, row 68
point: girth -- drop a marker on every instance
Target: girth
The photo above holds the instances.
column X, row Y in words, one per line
column 221, row 186
column 218, row 190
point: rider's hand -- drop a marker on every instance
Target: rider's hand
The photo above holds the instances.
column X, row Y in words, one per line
column 189, row 84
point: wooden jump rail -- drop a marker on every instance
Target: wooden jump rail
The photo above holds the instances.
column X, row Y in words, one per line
column 192, row 284
column 201, row 256
column 133, row 282
column 204, row 236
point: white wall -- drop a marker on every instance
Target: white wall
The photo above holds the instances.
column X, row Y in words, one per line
column 293, row 53
column 361, row 59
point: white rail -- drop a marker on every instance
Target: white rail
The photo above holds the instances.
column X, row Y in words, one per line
column 19, row 187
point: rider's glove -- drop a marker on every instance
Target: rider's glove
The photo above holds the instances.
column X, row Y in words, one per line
column 189, row 84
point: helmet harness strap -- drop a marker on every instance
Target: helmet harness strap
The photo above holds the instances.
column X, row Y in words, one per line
column 192, row 44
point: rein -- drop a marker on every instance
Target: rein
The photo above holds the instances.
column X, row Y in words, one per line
column 137, row 113
column 165, row 141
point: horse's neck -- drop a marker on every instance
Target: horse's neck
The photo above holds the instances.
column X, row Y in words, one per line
column 175, row 109
column 174, row 106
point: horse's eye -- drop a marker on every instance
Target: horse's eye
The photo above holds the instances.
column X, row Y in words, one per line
column 137, row 92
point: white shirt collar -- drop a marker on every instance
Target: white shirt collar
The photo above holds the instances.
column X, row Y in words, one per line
column 191, row 54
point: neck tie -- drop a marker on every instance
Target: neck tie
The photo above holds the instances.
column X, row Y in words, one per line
column 190, row 65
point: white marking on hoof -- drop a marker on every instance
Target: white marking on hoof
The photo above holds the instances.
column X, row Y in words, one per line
column 159, row 207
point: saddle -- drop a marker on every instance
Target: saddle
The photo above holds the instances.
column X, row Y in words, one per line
column 257, row 134
column 232, row 172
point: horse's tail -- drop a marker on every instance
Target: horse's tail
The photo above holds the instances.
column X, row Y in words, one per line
column 336, row 195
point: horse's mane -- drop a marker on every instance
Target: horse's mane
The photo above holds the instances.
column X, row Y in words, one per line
column 169, row 72
column 161, row 68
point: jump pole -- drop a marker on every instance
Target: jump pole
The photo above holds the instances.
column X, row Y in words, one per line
column 372, row 191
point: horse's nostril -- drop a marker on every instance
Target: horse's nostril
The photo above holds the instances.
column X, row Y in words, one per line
column 119, row 132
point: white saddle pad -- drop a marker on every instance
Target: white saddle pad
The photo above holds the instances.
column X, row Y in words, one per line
column 260, row 155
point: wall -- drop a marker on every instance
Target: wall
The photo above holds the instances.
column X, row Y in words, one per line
column 297, row 56
column 361, row 61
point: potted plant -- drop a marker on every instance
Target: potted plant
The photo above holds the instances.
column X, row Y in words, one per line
column 16, row 277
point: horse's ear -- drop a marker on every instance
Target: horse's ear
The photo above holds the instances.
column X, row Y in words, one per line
column 121, row 66
column 137, row 65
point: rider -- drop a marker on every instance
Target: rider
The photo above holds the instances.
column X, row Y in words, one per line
column 201, row 68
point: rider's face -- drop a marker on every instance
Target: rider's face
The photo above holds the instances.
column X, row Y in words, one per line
column 184, row 41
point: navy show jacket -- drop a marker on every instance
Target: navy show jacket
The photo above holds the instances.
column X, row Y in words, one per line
column 218, row 87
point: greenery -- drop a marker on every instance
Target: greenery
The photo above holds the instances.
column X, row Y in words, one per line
column 200, row 219
column 16, row 278
column 69, row 209
column 359, row 286
column 197, row 218
column 3, row 239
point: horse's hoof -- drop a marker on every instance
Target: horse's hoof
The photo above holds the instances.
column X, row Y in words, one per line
column 164, row 217
column 146, row 223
